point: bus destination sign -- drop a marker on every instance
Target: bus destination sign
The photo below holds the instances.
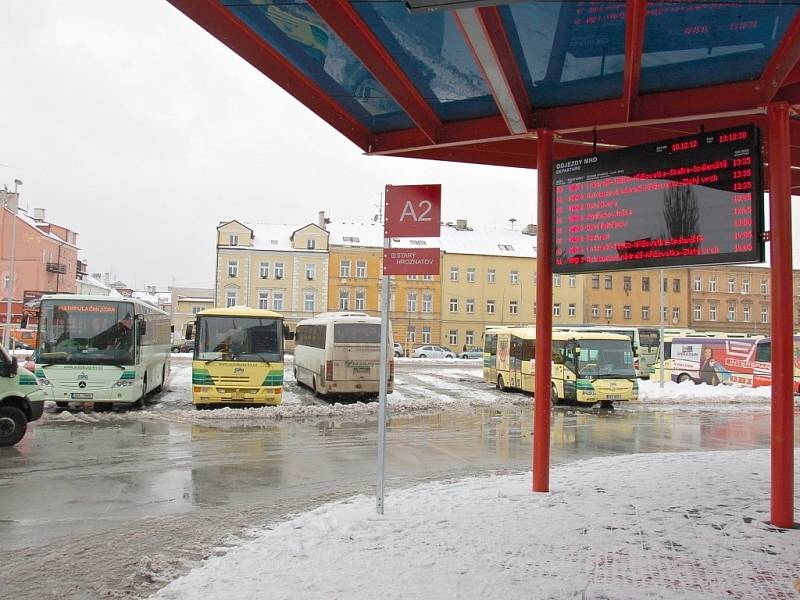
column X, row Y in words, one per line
column 688, row 201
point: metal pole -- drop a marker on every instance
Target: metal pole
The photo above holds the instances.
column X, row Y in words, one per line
column 12, row 274
column 661, row 328
column 544, row 313
column 780, row 218
column 387, row 243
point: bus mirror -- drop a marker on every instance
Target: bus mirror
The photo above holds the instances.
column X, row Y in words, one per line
column 141, row 327
column 172, row 328
column 24, row 323
column 577, row 349
column 288, row 334
column 189, row 331
column 13, row 367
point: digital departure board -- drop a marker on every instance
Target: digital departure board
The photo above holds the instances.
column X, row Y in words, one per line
column 688, row 201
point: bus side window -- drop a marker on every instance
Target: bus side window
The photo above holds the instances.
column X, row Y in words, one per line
column 764, row 352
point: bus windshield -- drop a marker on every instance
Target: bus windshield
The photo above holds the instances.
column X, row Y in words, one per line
column 239, row 338
column 85, row 332
column 605, row 359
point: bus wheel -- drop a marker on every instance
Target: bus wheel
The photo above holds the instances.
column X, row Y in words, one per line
column 160, row 386
column 314, row 388
column 13, row 424
column 62, row 405
column 140, row 402
column 684, row 377
column 102, row 407
column 607, row 404
column 554, row 400
column 500, row 385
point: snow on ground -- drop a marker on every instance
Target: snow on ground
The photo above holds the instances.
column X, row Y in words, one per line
column 593, row 536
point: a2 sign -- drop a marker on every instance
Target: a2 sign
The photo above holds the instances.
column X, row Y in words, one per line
column 412, row 211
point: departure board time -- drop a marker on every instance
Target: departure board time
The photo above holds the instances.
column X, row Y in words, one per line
column 688, row 201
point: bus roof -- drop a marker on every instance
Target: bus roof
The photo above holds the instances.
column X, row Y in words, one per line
column 240, row 311
column 340, row 317
column 529, row 333
column 102, row 299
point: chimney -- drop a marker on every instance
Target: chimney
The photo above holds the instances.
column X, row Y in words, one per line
column 531, row 229
column 9, row 200
column 321, row 221
column 38, row 215
column 461, row 224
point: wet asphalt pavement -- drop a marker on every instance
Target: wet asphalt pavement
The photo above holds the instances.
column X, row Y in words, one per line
column 118, row 508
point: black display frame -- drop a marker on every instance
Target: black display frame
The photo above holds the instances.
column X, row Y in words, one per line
column 628, row 161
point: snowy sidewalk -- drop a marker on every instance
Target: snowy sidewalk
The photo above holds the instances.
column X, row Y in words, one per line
column 682, row 526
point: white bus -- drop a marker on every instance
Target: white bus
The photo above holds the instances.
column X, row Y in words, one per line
column 645, row 341
column 339, row 353
column 102, row 350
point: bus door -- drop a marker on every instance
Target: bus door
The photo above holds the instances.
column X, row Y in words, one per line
column 762, row 363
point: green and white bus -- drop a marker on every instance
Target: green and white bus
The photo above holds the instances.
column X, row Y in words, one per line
column 101, row 349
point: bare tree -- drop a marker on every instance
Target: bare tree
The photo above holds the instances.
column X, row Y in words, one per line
column 681, row 212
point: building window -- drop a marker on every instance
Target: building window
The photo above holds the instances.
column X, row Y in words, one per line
column 490, row 276
column 595, row 311
column 470, row 305
column 645, row 284
column 745, row 286
column 453, row 305
column 676, row 285
column 712, row 312
column 698, row 283
column 626, row 283
column 361, row 300
column 412, row 333
column 263, row 270
column 469, row 337
column 426, row 335
column 645, row 313
column 765, row 314
column 571, row 281
column 361, row 269
column 664, row 312
column 534, row 310
column 609, row 282
column 595, row 282
column 230, row 298
column 513, row 307
column 571, row 310
column 609, row 311
column 556, row 280
column 731, row 312
column 308, row 302
column 676, row 314
column 514, row 277
column 712, row 284
column 698, row 312
column 746, row 313
column 764, row 284
column 453, row 273
column 344, row 299
column 557, row 309
column 427, row 278
column 453, row 337
column 196, row 309
column 344, row 268
column 731, row 284
column 7, row 282
column 277, row 300
column 311, row 272
column 470, row 275
column 626, row 311
column 278, row 270
column 233, row 268
column 664, row 285
column 311, row 244
column 263, row 300
column 233, row 240
column 427, row 303
column 490, row 307
column 411, row 277
column 411, row 302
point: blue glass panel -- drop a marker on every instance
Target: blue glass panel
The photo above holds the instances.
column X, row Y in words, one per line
column 430, row 49
column 690, row 44
column 568, row 52
column 297, row 32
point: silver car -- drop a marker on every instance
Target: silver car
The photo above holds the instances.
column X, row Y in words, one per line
column 432, row 352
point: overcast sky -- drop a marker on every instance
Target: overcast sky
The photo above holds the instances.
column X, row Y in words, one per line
column 140, row 131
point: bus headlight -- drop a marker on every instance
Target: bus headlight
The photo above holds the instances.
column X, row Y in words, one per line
column 123, row 383
column 43, row 381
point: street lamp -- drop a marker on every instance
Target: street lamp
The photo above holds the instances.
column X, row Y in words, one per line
column 10, row 291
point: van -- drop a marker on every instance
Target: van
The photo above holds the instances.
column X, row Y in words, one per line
column 21, row 399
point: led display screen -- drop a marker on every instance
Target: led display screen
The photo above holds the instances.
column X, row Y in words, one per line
column 688, row 201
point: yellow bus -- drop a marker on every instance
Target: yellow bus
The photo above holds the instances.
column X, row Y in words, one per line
column 588, row 367
column 238, row 358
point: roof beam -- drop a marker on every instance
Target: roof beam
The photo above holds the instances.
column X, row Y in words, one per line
column 483, row 32
column 782, row 62
column 635, row 17
column 223, row 25
column 343, row 19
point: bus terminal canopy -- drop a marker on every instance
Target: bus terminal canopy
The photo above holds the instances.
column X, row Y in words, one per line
column 523, row 83
column 473, row 81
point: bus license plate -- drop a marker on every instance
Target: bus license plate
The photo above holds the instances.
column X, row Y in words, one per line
column 613, row 397
column 81, row 396
column 361, row 370
column 237, row 396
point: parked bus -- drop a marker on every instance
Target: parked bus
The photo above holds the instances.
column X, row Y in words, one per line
column 645, row 342
column 587, row 366
column 101, row 349
column 238, row 357
column 339, row 353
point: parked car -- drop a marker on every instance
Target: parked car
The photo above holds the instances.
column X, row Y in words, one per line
column 184, row 347
column 433, row 352
column 398, row 350
column 18, row 345
column 472, row 352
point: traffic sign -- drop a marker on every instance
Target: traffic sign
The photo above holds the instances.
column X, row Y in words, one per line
column 411, row 261
column 412, row 211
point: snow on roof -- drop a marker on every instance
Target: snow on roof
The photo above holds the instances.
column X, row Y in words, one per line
column 488, row 241
column 190, row 299
column 28, row 220
column 355, row 234
column 268, row 236
column 156, row 299
column 94, row 282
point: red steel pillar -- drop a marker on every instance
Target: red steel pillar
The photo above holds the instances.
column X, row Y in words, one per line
column 544, row 313
column 780, row 218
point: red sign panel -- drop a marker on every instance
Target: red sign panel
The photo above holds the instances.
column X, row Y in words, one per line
column 410, row 261
column 412, row 211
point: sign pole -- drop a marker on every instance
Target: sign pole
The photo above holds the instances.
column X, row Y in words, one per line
column 386, row 282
